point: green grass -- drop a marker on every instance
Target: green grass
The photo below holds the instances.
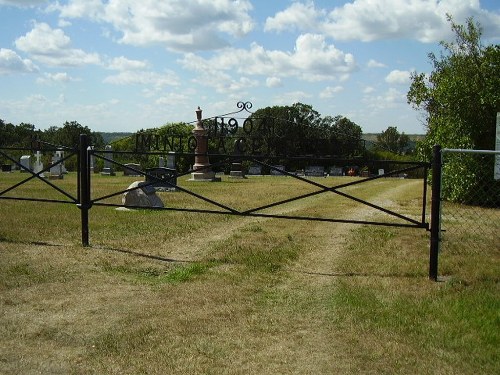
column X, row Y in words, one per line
column 173, row 292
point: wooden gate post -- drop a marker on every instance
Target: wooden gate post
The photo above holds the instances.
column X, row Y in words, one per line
column 435, row 212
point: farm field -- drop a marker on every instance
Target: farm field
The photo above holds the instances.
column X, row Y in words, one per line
column 194, row 293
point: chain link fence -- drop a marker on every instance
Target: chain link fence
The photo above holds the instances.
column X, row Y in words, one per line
column 470, row 207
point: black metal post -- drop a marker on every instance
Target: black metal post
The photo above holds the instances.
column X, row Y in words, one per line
column 84, row 188
column 435, row 212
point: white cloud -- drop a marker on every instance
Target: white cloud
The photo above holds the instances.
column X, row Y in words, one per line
column 390, row 99
column 400, row 77
column 172, row 99
column 298, row 15
column 368, row 20
column 375, row 64
column 291, row 97
column 273, row 82
column 133, row 77
column 181, row 25
column 11, row 62
column 329, row 92
column 312, row 60
column 62, row 77
column 53, row 47
column 122, row 63
column 368, row 90
column 23, row 3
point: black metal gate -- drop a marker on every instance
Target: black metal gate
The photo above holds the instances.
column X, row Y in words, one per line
column 223, row 130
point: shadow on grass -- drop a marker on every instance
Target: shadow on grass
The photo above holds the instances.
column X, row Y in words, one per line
column 358, row 274
column 142, row 255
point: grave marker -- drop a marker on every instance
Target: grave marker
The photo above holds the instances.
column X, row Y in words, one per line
column 108, row 165
column 25, row 161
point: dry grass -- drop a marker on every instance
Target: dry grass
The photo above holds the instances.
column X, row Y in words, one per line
column 169, row 292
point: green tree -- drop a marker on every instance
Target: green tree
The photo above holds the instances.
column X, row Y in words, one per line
column 392, row 140
column 460, row 99
column 69, row 135
column 344, row 135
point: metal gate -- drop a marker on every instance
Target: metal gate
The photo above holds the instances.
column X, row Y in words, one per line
column 236, row 131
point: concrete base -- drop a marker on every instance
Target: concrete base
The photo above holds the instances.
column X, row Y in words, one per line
column 237, row 174
column 204, row 177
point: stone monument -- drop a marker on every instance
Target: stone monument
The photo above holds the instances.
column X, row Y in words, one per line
column 25, row 162
column 38, row 167
column 140, row 194
column 56, row 171
column 201, row 167
column 108, row 165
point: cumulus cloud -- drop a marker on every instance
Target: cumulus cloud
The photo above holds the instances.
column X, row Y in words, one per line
column 273, row 82
column 61, row 77
column 330, row 91
column 311, row 60
column 132, row 77
column 11, row 62
column 122, row 63
column 298, row 15
column 23, row 3
column 375, row 64
column 181, row 25
column 400, row 77
column 367, row 20
column 389, row 99
column 53, row 47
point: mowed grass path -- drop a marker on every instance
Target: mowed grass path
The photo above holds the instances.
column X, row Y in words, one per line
column 172, row 292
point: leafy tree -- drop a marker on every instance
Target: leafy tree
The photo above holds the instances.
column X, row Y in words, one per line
column 69, row 135
column 392, row 140
column 344, row 135
column 460, row 99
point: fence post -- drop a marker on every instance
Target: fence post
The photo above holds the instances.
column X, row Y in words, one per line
column 435, row 212
column 84, row 188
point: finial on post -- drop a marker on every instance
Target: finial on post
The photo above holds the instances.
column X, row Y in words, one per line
column 199, row 124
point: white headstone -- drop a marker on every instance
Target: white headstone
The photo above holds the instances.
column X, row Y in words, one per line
column 60, row 154
column 56, row 168
column 38, row 167
column 25, row 161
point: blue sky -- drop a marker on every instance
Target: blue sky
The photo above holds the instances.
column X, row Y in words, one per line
column 123, row 65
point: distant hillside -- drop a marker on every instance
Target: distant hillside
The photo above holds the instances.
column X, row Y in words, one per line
column 372, row 137
column 112, row 137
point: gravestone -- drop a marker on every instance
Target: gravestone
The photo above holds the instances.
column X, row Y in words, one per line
column 315, row 171
column 335, row 171
column 38, row 167
column 60, row 154
column 171, row 160
column 277, row 171
column 237, row 171
column 140, row 195
column 255, row 170
column 108, row 164
column 381, row 172
column 56, row 171
column 167, row 177
column 128, row 171
column 25, row 161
